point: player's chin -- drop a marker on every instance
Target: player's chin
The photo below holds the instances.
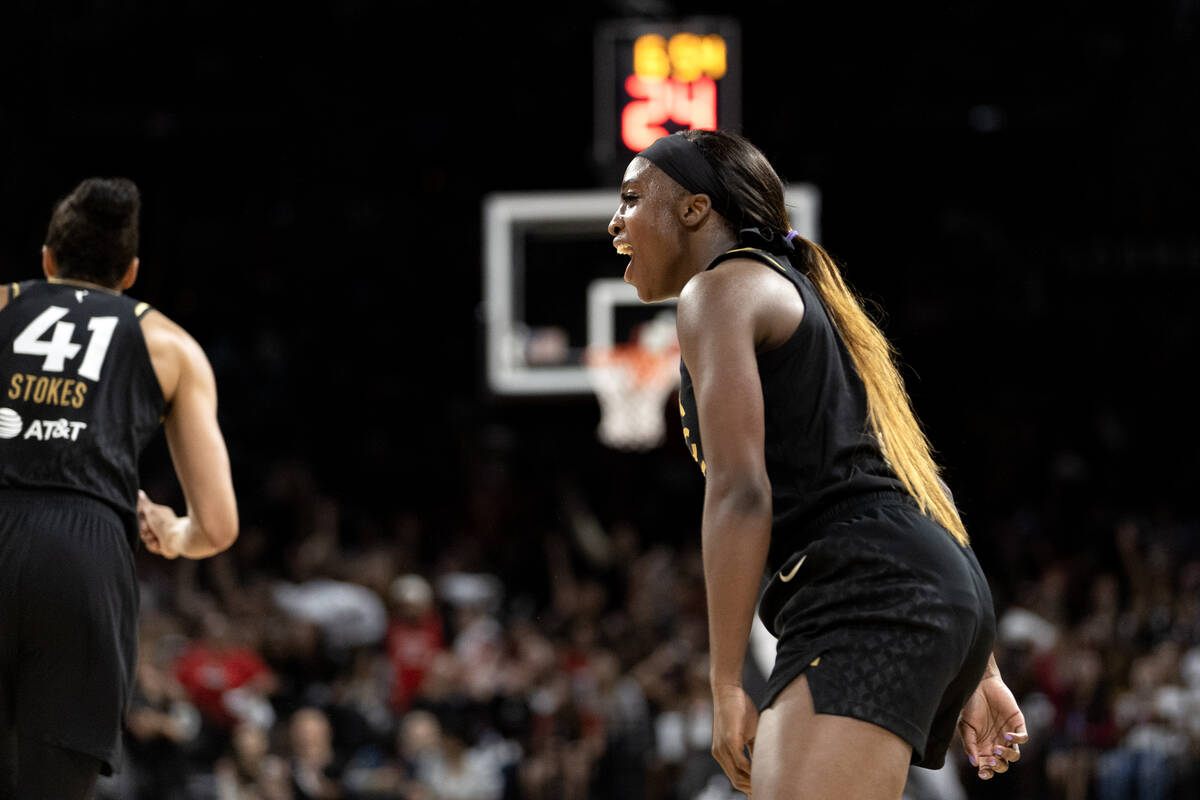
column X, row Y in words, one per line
column 649, row 294
column 638, row 281
column 640, row 287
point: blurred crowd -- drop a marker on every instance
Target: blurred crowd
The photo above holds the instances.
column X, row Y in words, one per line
column 562, row 655
column 1107, row 666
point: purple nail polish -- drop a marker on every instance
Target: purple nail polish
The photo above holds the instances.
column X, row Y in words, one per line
column 999, row 751
column 1008, row 737
column 972, row 760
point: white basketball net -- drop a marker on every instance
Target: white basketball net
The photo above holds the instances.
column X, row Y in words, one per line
column 632, row 382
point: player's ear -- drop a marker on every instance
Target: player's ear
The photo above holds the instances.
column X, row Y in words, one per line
column 694, row 209
column 49, row 264
column 130, row 274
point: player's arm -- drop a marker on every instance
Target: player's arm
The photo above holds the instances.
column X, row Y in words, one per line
column 717, row 336
column 197, row 450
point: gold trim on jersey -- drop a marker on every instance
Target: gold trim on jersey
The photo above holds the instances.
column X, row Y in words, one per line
column 775, row 263
column 14, row 290
column 141, row 308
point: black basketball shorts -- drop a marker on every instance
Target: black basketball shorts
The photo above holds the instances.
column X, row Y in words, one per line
column 890, row 619
column 68, row 621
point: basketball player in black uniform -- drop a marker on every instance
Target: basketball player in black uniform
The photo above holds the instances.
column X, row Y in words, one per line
column 818, row 476
column 86, row 376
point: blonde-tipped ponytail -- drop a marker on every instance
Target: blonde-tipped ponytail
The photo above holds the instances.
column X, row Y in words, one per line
column 889, row 410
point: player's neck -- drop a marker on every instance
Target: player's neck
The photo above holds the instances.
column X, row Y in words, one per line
column 84, row 284
column 709, row 243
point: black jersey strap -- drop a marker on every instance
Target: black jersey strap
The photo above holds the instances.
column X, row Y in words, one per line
column 754, row 253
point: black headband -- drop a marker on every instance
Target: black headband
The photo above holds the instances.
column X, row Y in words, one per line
column 681, row 159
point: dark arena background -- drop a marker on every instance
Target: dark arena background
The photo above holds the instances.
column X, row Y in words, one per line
column 445, row 591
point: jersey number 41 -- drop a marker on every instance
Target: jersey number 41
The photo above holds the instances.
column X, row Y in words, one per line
column 59, row 348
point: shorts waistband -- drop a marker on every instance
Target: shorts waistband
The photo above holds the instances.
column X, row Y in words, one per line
column 60, row 499
column 847, row 507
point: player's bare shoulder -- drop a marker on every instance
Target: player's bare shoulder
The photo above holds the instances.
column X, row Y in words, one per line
column 737, row 278
column 713, row 289
column 173, row 352
column 744, row 289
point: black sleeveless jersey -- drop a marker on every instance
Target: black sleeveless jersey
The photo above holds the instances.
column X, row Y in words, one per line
column 79, row 399
column 818, row 445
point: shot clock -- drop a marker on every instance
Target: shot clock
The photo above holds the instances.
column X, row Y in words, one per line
column 655, row 78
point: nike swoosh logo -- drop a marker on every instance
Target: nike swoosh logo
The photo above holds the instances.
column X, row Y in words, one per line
column 795, row 569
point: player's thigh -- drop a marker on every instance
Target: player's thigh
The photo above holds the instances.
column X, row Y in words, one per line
column 802, row 755
column 77, row 605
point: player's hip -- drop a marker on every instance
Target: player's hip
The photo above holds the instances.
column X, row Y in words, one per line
column 883, row 561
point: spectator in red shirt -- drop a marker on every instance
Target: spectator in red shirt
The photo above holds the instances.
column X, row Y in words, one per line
column 225, row 679
column 415, row 637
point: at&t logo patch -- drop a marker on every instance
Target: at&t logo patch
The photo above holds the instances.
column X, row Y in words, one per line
column 46, row 429
column 43, row 430
column 10, row 423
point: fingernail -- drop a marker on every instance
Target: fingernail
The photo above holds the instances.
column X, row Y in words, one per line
column 972, row 760
column 999, row 751
column 1008, row 737
column 991, row 762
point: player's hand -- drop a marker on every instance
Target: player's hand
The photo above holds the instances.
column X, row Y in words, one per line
column 158, row 526
column 992, row 728
column 735, row 721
